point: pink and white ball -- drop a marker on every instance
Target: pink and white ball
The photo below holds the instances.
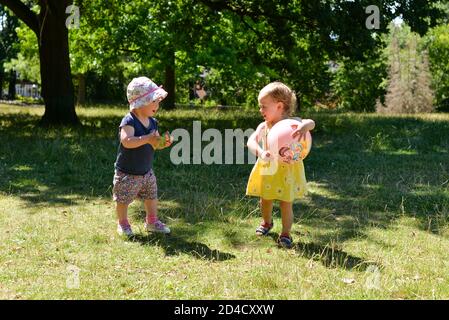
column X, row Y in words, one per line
column 283, row 146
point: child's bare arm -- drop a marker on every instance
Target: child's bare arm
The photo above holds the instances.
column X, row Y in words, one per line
column 306, row 125
column 253, row 144
column 129, row 141
column 253, row 141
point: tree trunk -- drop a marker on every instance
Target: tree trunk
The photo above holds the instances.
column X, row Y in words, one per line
column 81, row 89
column 12, row 85
column 169, row 85
column 2, row 79
column 57, row 86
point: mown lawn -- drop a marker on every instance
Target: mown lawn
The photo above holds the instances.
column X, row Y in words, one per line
column 373, row 226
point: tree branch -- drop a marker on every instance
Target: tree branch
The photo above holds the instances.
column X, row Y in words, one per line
column 257, row 33
column 23, row 12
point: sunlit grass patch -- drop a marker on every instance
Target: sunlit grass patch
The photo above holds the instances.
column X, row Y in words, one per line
column 374, row 224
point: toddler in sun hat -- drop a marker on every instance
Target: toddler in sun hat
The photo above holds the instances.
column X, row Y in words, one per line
column 143, row 90
column 139, row 138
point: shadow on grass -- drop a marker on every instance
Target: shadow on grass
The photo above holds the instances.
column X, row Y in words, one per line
column 175, row 245
column 332, row 257
column 329, row 255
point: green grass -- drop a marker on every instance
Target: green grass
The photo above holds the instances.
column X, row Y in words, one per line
column 373, row 226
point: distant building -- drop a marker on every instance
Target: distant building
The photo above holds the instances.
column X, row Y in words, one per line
column 30, row 90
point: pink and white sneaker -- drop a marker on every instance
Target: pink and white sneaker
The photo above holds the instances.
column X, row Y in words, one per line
column 125, row 230
column 158, row 226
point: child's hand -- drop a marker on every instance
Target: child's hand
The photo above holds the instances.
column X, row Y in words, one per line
column 300, row 132
column 266, row 156
column 153, row 138
column 158, row 142
column 168, row 140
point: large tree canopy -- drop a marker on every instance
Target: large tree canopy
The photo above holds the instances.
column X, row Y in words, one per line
column 239, row 44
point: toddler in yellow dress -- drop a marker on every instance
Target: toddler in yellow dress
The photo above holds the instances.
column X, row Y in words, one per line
column 272, row 179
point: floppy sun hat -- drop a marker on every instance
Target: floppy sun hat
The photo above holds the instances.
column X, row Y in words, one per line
column 142, row 91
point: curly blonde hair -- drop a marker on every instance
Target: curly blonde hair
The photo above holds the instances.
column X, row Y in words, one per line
column 280, row 93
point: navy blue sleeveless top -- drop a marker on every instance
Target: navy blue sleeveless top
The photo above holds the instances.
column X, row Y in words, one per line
column 136, row 161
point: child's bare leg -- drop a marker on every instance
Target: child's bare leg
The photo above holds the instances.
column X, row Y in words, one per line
column 152, row 221
column 151, row 210
column 287, row 217
column 122, row 212
column 266, row 207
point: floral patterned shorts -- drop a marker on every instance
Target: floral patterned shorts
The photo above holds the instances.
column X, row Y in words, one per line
column 128, row 187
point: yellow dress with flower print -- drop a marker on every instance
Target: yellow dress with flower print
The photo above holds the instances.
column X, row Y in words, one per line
column 276, row 180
